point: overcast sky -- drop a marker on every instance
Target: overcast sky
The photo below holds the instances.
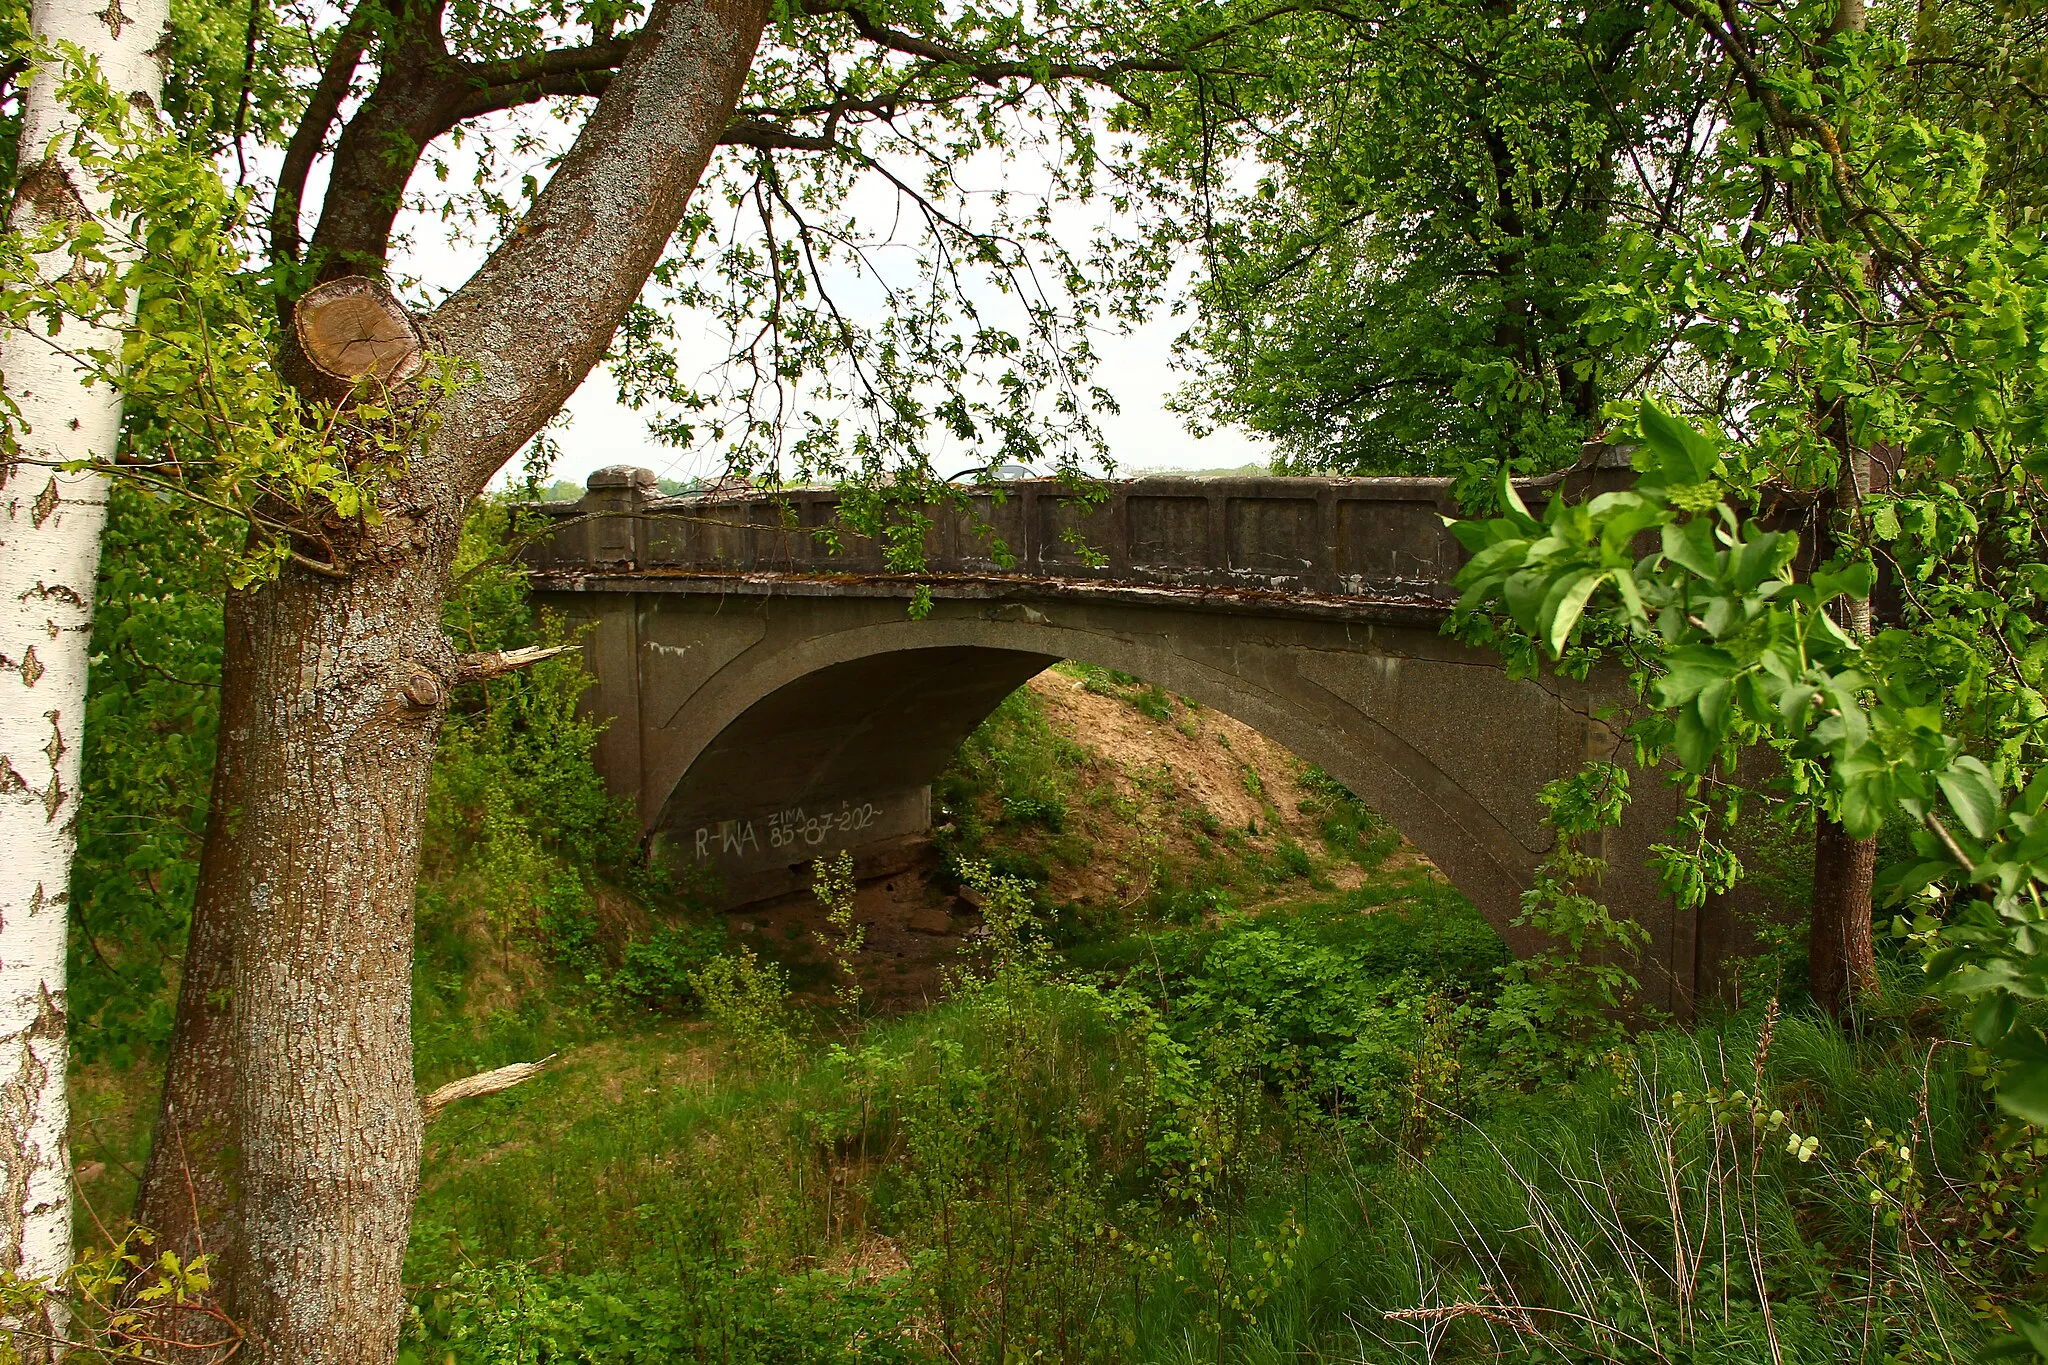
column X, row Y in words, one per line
column 1136, row 368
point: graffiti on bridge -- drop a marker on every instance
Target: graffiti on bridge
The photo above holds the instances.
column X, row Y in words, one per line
column 794, row 830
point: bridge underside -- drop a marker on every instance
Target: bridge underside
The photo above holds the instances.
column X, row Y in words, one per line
column 840, row 758
column 759, row 721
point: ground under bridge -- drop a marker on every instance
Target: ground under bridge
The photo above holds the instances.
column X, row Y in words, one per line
column 772, row 699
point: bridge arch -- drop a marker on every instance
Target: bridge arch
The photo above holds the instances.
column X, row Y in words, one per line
column 832, row 714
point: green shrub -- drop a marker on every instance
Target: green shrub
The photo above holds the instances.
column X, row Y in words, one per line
column 1013, row 770
column 1046, row 813
column 749, row 1000
column 1153, row 703
column 151, row 714
column 656, row 972
column 1103, row 682
column 1290, row 860
column 512, row 1314
column 520, row 828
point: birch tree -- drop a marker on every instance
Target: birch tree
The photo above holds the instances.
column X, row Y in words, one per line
column 51, row 516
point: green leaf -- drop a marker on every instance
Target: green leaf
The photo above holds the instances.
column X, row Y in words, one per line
column 1694, row 742
column 1853, row 580
column 1690, row 545
column 1865, row 801
column 1713, row 705
column 1518, row 512
column 1691, row 669
column 1524, row 594
column 1684, row 454
column 2023, row 1091
column 1994, row 1017
column 1631, row 597
column 1477, row 535
column 1973, row 792
column 2029, row 1338
column 1570, row 607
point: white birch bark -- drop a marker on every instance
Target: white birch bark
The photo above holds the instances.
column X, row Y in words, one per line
column 50, row 526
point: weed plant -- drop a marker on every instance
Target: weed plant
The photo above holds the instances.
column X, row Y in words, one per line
column 1244, row 1116
column 525, row 850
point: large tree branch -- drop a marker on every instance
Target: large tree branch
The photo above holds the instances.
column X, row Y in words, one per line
column 373, row 161
column 491, row 98
column 602, row 56
column 773, row 137
column 381, row 143
column 585, row 70
column 537, row 316
column 311, row 134
column 421, row 94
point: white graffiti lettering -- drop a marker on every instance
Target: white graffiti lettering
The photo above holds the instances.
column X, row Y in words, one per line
column 788, row 830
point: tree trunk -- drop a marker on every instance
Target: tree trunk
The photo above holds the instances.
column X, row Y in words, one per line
column 50, row 524
column 1841, row 960
column 289, row 1142
column 1841, row 954
column 290, row 1124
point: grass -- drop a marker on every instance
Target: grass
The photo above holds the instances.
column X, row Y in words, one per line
column 1157, row 1192
column 1032, row 802
column 1265, row 1110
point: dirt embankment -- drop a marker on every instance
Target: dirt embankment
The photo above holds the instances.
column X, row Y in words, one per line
column 1166, row 790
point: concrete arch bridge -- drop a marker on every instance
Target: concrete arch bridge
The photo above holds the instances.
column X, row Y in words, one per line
column 772, row 699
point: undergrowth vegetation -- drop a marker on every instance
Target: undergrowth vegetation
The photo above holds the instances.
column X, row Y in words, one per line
column 536, row 903
column 1034, row 802
column 539, row 920
column 1263, row 1141
column 1285, row 1120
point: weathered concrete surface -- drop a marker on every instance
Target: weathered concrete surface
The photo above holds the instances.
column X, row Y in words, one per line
column 772, row 699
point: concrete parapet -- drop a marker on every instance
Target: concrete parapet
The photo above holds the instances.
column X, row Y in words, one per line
column 1380, row 538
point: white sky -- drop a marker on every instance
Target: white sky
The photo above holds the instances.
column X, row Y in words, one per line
column 1137, row 368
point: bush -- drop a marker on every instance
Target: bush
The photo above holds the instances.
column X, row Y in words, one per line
column 1034, row 810
column 657, row 972
column 512, row 1314
column 520, row 827
column 1153, row 703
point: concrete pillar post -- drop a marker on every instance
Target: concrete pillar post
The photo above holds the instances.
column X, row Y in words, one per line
column 612, row 649
column 615, row 495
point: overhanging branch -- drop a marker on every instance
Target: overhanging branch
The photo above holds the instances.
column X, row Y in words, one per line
column 987, row 70
column 773, row 137
column 557, row 61
column 311, row 133
column 488, row 99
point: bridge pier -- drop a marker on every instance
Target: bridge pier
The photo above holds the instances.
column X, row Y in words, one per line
column 764, row 712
